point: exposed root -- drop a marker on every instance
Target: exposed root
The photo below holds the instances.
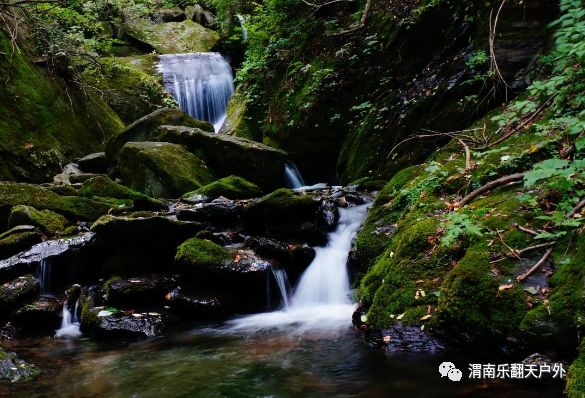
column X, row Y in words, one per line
column 513, row 178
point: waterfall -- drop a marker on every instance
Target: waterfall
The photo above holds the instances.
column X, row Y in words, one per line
column 242, row 21
column 202, row 84
column 281, row 278
column 293, row 176
column 322, row 300
column 70, row 322
column 44, row 275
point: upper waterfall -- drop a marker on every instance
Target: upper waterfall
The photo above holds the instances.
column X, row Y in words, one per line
column 202, row 84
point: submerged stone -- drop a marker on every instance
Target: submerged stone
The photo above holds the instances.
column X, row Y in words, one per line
column 14, row 369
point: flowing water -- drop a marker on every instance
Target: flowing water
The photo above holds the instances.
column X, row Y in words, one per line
column 242, row 22
column 202, row 84
column 70, row 322
column 293, row 176
column 44, row 276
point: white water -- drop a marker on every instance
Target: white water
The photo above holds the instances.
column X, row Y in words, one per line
column 44, row 276
column 202, row 84
column 242, row 21
column 322, row 300
column 293, row 176
column 281, row 278
column 69, row 323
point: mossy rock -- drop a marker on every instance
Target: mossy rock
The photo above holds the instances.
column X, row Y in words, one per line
column 228, row 155
column 73, row 207
column 14, row 293
column 144, row 129
column 131, row 85
column 44, row 121
column 232, row 187
column 172, row 37
column 563, row 315
column 576, row 376
column 18, row 240
column 201, row 255
column 47, row 221
column 161, row 169
column 472, row 305
column 283, row 208
column 102, row 186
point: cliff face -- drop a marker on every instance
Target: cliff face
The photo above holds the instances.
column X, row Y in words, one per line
column 45, row 121
column 340, row 98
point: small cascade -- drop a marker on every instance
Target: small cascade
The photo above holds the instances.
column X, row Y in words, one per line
column 293, row 176
column 242, row 21
column 322, row 300
column 202, row 84
column 281, row 278
column 70, row 322
column 44, row 276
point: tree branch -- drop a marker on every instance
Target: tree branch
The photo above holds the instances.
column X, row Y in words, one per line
column 489, row 186
column 543, row 259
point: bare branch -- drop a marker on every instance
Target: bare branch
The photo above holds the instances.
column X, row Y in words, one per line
column 543, row 259
column 513, row 178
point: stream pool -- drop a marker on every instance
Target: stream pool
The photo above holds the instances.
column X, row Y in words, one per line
column 217, row 362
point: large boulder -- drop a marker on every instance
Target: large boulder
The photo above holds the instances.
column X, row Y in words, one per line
column 136, row 245
column 171, row 37
column 288, row 214
column 93, row 163
column 47, row 221
column 16, row 292
column 102, row 186
column 144, row 129
column 73, row 207
column 227, row 155
column 161, row 169
column 237, row 275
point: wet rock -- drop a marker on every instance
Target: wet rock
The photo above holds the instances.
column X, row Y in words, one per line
column 14, row 369
column 220, row 210
column 122, row 324
column 194, row 198
column 16, row 292
column 161, row 169
column 94, row 163
column 42, row 315
column 141, row 291
column 223, row 238
column 196, row 306
column 51, row 249
column 295, row 257
column 194, row 13
column 169, row 15
column 228, row 155
column 207, row 19
column 287, row 214
column 328, row 215
column 156, row 236
column 47, row 221
column 18, row 239
column 81, row 178
column 7, row 332
column 144, row 129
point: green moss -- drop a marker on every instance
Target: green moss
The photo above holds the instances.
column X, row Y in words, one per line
column 17, row 242
column 561, row 317
column 471, row 301
column 283, row 204
column 43, row 121
column 232, row 187
column 131, row 86
column 162, row 169
column 200, row 253
column 102, row 186
column 46, row 220
column 576, row 376
column 3, row 354
column 73, row 207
